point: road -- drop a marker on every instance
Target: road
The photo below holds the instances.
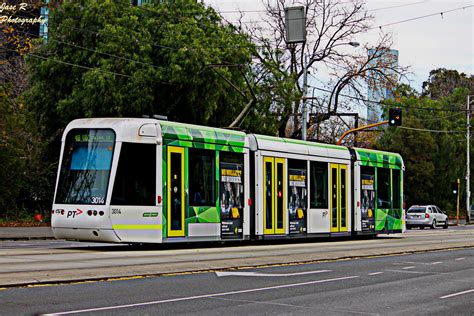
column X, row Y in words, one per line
column 435, row 283
column 46, row 261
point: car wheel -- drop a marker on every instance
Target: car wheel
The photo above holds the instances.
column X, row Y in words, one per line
column 446, row 224
column 433, row 225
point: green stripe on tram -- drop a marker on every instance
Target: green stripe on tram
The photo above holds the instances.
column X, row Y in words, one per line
column 137, row 227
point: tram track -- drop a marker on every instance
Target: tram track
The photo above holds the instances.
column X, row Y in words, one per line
column 58, row 265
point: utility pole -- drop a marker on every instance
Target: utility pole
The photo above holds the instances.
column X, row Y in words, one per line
column 468, row 167
column 305, row 89
column 457, row 202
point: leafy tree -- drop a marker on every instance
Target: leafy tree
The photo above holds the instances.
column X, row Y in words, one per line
column 442, row 82
column 23, row 177
column 330, row 25
column 108, row 58
column 432, row 139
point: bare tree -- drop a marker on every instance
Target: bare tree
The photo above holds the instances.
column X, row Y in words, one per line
column 330, row 25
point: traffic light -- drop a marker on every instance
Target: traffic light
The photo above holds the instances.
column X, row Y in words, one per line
column 454, row 187
column 395, row 117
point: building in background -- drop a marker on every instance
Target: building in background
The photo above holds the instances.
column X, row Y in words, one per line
column 43, row 30
column 382, row 90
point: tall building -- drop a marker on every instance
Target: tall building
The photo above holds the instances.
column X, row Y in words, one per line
column 43, row 31
column 381, row 90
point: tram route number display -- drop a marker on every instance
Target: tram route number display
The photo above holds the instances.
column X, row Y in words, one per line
column 232, row 194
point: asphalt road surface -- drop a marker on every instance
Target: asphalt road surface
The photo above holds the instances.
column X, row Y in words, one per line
column 48, row 261
column 435, row 283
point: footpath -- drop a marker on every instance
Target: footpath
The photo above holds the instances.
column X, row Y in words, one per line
column 45, row 232
column 26, row 233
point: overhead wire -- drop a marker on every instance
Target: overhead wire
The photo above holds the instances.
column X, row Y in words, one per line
column 385, row 104
column 72, row 64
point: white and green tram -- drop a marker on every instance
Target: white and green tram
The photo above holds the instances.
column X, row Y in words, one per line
column 142, row 180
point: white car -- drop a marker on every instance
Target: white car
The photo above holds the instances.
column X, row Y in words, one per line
column 426, row 216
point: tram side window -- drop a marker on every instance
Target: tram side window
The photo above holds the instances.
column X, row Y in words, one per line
column 136, row 175
column 383, row 188
column 202, row 173
column 396, row 188
column 319, row 184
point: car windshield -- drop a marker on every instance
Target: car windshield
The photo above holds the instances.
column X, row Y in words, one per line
column 417, row 210
column 85, row 168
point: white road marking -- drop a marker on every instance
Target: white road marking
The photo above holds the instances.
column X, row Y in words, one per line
column 457, row 259
column 456, row 294
column 404, row 271
column 181, row 299
column 375, row 273
column 437, row 262
column 410, row 267
column 242, row 273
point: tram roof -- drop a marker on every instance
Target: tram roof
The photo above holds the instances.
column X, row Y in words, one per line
column 378, row 158
column 296, row 146
column 203, row 134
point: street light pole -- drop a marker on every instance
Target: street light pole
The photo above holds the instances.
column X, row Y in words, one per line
column 305, row 89
column 468, row 160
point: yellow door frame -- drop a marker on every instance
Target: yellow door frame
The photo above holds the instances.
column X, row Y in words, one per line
column 334, row 168
column 274, row 178
column 266, row 230
column 175, row 232
column 345, row 192
column 339, row 192
column 275, row 210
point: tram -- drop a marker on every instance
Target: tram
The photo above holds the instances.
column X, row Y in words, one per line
column 144, row 180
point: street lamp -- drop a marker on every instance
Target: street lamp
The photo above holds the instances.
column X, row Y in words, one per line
column 305, row 86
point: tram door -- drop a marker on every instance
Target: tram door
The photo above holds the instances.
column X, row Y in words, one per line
column 338, row 202
column 175, row 197
column 274, row 215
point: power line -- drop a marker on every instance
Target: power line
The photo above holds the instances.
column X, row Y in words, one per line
column 421, row 17
column 431, row 130
column 385, row 104
column 93, row 50
column 371, row 10
column 72, row 64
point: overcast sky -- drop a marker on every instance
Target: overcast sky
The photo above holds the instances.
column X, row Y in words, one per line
column 424, row 44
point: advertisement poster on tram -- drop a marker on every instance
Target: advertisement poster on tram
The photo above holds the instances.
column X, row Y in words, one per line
column 297, row 200
column 368, row 201
column 232, row 200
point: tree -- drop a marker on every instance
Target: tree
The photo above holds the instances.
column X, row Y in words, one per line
column 108, row 58
column 442, row 83
column 23, row 177
column 330, row 25
column 432, row 139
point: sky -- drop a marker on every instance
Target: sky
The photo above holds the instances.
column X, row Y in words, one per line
column 440, row 41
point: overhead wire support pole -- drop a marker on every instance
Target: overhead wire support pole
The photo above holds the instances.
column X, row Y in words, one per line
column 359, row 129
column 305, row 89
column 468, row 158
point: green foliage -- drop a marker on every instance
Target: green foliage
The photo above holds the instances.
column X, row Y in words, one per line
column 432, row 159
column 144, row 60
column 23, row 176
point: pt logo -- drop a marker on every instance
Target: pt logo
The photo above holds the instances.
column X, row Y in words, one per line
column 74, row 213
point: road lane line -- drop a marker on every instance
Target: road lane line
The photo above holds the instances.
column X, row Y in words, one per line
column 437, row 262
column 375, row 273
column 189, row 298
column 456, row 294
column 404, row 271
column 258, row 274
column 457, row 259
column 410, row 267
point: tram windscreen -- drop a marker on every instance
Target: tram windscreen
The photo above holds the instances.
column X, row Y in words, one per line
column 85, row 168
